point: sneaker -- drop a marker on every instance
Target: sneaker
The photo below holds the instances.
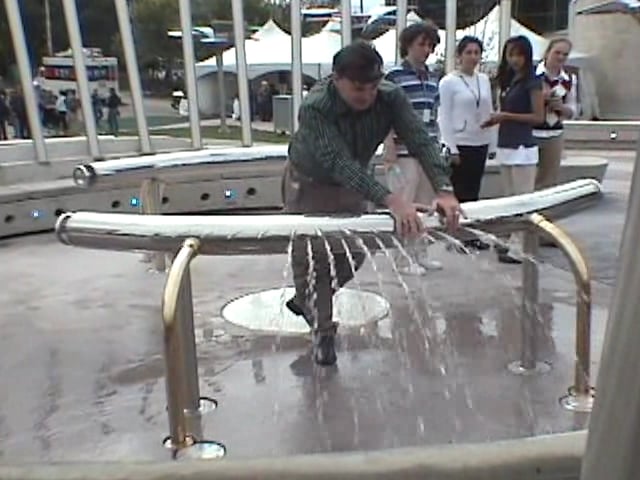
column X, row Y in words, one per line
column 297, row 310
column 324, row 348
column 430, row 264
column 477, row 244
column 412, row 269
column 508, row 259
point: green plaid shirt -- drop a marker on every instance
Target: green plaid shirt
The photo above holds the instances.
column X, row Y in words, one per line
column 335, row 144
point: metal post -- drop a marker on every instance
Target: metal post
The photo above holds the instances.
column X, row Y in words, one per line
column 47, row 24
column 222, row 92
column 190, row 72
column 528, row 363
column 345, row 22
column 183, row 393
column 133, row 72
column 505, row 22
column 185, row 318
column 401, row 23
column 581, row 394
column 296, row 61
column 241, row 68
column 571, row 20
column 450, row 41
column 614, row 426
column 75, row 39
column 151, row 199
column 26, row 79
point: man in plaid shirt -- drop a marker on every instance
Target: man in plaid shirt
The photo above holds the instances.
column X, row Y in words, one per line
column 342, row 122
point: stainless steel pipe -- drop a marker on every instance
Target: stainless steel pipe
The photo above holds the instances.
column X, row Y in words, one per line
column 581, row 395
column 171, row 166
column 261, row 234
column 180, row 358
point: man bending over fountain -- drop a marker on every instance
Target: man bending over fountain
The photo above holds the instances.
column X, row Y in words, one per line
column 341, row 123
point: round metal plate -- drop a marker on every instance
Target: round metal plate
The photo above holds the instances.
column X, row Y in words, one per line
column 204, row 450
column 266, row 312
column 578, row 403
column 517, row 368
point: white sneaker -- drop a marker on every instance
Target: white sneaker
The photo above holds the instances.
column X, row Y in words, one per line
column 412, row 269
column 431, row 265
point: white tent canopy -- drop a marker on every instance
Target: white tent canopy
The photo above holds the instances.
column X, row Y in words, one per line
column 270, row 31
column 273, row 53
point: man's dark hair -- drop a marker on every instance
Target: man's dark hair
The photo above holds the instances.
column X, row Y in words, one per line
column 416, row 31
column 359, row 62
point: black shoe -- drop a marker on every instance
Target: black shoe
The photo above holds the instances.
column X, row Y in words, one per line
column 477, row 244
column 296, row 310
column 324, row 348
column 506, row 258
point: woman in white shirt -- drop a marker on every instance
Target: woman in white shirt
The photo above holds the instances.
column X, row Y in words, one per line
column 465, row 104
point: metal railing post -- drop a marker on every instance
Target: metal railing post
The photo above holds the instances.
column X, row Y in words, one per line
column 135, row 85
column 451, row 22
column 402, row 8
column 581, row 394
column 237, row 10
column 296, row 62
column 151, row 200
column 182, row 381
column 345, row 22
column 190, row 72
column 26, row 79
column 82, row 80
column 528, row 363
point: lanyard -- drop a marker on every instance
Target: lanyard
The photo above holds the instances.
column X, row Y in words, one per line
column 478, row 97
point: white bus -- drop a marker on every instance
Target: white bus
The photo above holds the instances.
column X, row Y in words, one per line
column 57, row 72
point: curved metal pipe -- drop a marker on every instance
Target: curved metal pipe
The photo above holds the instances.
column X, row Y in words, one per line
column 170, row 166
column 262, row 234
column 179, row 347
column 581, row 393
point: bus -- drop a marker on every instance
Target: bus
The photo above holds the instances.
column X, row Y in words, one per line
column 57, row 72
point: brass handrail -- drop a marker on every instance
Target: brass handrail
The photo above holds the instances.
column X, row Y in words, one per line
column 178, row 382
column 581, row 394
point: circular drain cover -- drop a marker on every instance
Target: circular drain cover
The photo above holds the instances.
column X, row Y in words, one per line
column 266, row 312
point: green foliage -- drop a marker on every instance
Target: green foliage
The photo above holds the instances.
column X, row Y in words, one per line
column 99, row 26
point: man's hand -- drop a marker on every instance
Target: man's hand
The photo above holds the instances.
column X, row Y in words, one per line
column 447, row 205
column 408, row 223
column 454, row 159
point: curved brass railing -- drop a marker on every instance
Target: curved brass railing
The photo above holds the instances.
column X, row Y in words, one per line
column 581, row 394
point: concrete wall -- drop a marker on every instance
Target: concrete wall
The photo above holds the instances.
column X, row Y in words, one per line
column 555, row 457
column 613, row 40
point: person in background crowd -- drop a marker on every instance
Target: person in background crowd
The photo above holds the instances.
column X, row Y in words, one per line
column 342, row 122
column 96, row 105
column 561, row 102
column 63, row 112
column 19, row 109
column 113, row 111
column 465, row 104
column 5, row 115
column 417, row 43
column 521, row 107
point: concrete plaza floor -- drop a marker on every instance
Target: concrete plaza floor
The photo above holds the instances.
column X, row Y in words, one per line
column 83, row 374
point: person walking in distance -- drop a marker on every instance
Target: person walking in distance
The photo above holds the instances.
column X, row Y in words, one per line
column 404, row 173
column 465, row 103
column 521, row 107
column 341, row 123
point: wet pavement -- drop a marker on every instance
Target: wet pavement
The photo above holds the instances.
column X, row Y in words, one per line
column 82, row 364
column 82, row 372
